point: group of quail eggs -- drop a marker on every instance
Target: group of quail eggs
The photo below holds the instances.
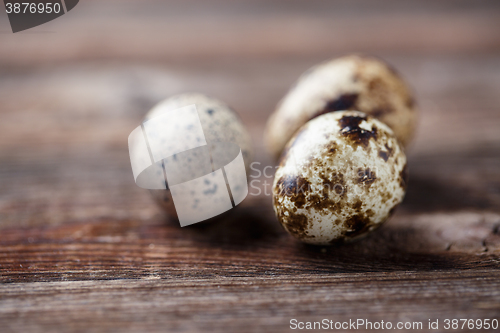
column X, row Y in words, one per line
column 339, row 136
column 340, row 133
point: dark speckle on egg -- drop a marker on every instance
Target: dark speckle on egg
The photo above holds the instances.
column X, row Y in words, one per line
column 294, row 187
column 349, row 127
column 366, row 176
column 343, row 102
column 356, row 225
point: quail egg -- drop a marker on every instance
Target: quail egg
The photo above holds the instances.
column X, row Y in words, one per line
column 353, row 82
column 340, row 176
column 220, row 124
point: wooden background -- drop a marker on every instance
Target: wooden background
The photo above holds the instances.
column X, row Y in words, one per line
column 82, row 248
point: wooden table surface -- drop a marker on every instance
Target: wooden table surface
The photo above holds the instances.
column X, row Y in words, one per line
column 82, row 248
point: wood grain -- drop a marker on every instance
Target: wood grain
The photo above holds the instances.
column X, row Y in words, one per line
column 82, row 249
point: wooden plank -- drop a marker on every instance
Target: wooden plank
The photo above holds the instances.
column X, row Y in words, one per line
column 247, row 303
column 214, row 29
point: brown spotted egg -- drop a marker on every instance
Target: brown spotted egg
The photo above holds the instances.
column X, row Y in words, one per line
column 220, row 124
column 341, row 176
column 349, row 83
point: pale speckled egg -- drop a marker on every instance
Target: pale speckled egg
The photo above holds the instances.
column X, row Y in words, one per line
column 220, row 124
column 341, row 176
column 353, row 82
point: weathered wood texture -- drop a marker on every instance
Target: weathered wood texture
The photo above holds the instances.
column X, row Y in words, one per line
column 83, row 249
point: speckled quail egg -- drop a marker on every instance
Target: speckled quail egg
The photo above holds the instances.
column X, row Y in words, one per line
column 341, row 176
column 349, row 83
column 220, row 124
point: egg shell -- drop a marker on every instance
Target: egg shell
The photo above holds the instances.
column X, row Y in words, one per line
column 220, row 124
column 353, row 82
column 341, row 176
